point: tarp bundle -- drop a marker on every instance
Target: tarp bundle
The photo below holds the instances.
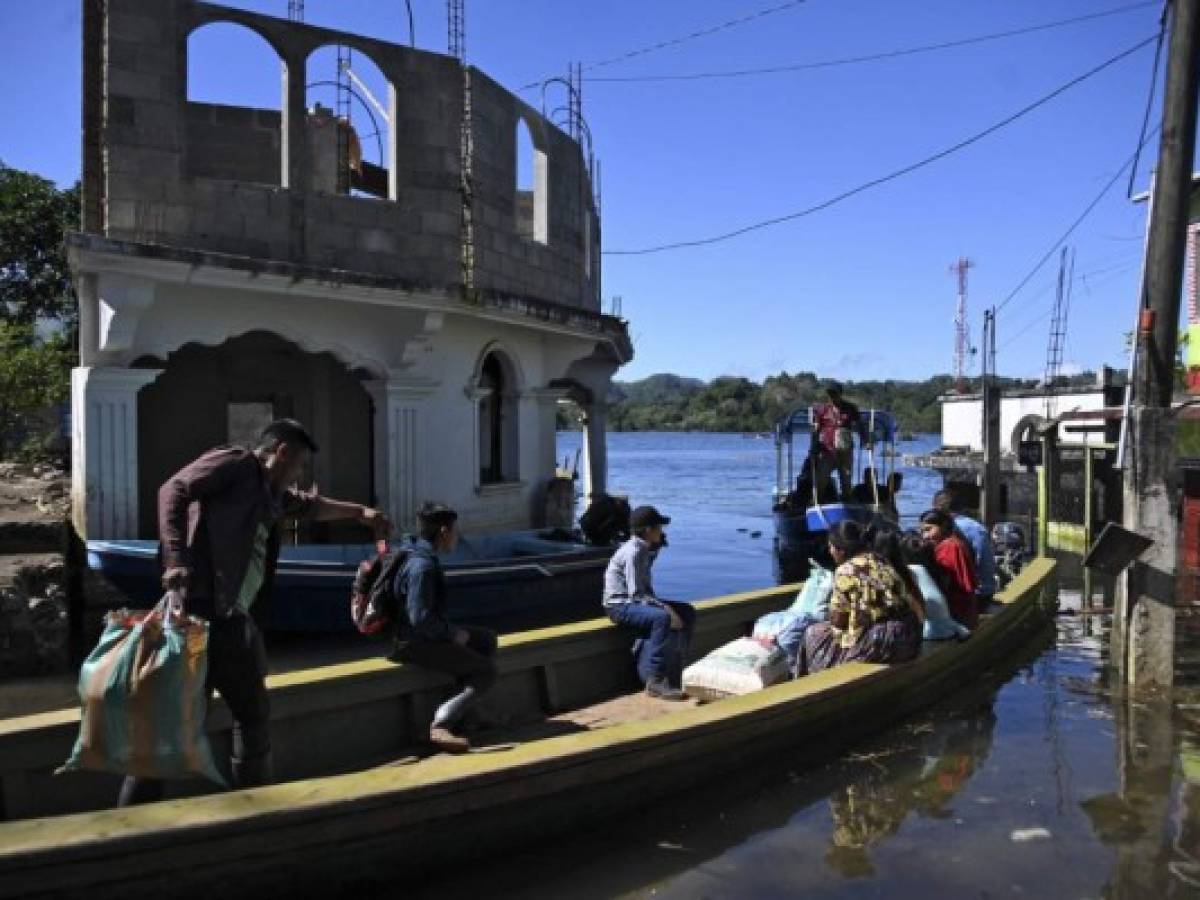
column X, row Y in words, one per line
column 144, row 697
column 740, row 667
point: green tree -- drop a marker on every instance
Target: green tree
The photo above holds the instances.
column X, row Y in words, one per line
column 33, row 380
column 35, row 283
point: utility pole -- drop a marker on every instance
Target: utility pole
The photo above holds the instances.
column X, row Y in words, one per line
column 989, row 510
column 962, row 337
column 1146, row 605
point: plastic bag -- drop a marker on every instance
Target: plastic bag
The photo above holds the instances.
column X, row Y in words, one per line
column 739, row 667
column 144, row 697
column 768, row 627
column 939, row 624
column 813, row 599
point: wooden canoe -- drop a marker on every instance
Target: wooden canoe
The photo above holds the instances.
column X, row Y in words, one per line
column 374, row 822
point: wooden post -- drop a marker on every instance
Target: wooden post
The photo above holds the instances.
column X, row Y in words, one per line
column 1146, row 608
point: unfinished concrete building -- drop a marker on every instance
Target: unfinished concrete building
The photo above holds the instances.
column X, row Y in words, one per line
column 423, row 316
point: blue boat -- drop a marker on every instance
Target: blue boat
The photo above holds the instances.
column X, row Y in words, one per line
column 510, row 581
column 804, row 510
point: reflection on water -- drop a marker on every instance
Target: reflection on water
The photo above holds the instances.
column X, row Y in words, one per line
column 919, row 777
column 1037, row 781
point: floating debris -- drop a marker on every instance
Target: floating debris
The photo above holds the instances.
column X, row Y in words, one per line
column 1021, row 835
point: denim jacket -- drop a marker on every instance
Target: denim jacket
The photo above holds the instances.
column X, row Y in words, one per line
column 421, row 581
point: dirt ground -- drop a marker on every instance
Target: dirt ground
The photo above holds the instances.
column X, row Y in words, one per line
column 33, row 499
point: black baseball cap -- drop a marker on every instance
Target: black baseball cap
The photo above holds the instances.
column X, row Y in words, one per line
column 288, row 431
column 647, row 517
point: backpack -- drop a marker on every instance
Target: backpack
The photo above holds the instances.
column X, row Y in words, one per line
column 374, row 607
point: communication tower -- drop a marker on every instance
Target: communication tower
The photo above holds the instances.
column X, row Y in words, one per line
column 962, row 337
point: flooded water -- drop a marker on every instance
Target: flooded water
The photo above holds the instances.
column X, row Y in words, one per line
column 1037, row 781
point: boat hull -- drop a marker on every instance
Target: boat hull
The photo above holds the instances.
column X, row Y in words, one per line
column 327, row 832
column 543, row 583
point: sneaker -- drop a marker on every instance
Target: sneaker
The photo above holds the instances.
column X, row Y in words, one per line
column 660, row 688
column 447, row 741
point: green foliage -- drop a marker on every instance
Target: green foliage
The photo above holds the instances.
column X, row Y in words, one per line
column 35, row 217
column 34, row 378
column 730, row 403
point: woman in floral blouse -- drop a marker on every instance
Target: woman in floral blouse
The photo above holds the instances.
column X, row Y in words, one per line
column 870, row 616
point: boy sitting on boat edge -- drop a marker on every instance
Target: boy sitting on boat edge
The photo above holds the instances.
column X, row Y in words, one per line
column 665, row 626
column 426, row 638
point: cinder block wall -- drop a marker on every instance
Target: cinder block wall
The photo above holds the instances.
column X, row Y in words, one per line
column 201, row 176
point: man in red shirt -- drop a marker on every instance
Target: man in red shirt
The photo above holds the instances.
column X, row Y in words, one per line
column 835, row 424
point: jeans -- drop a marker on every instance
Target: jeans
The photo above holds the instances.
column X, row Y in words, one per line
column 237, row 670
column 661, row 655
column 841, row 461
column 473, row 665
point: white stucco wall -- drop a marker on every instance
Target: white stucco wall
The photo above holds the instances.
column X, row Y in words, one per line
column 419, row 360
column 962, row 419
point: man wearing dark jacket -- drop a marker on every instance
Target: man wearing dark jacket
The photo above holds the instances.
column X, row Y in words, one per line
column 218, row 520
column 426, row 638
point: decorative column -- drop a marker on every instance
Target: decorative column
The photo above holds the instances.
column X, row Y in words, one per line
column 400, row 446
column 543, row 407
column 104, row 450
column 595, row 450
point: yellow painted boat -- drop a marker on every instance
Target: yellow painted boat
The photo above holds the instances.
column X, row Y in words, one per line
column 349, row 812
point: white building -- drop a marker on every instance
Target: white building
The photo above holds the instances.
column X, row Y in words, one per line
column 424, row 325
column 962, row 414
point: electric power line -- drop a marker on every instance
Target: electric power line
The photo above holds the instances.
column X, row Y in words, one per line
column 873, row 57
column 898, row 173
column 1080, row 279
column 674, row 42
column 1162, row 33
column 1079, row 220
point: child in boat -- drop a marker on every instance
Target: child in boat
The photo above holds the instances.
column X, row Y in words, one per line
column 953, row 555
column 871, row 617
column 939, row 624
column 979, row 540
column 426, row 638
column 218, row 520
column 665, row 626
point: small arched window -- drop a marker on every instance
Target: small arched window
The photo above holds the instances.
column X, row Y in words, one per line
column 497, row 422
column 532, row 201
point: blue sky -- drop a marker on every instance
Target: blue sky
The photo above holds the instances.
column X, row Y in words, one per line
column 861, row 290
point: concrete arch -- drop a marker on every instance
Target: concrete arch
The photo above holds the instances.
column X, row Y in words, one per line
column 509, row 361
column 215, row 335
column 203, row 17
column 1025, row 430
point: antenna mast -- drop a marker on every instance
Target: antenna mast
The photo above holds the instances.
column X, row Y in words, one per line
column 296, row 10
column 1058, row 325
column 456, row 27
column 962, row 338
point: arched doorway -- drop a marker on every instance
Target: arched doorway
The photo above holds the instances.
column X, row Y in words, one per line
column 209, row 396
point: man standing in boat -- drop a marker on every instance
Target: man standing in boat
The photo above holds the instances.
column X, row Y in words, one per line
column 218, row 520
column 663, row 626
column 835, row 424
column 426, row 638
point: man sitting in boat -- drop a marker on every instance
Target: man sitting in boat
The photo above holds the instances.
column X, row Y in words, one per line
column 835, row 424
column 979, row 539
column 218, row 519
column 664, row 626
column 871, row 616
column 426, row 638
